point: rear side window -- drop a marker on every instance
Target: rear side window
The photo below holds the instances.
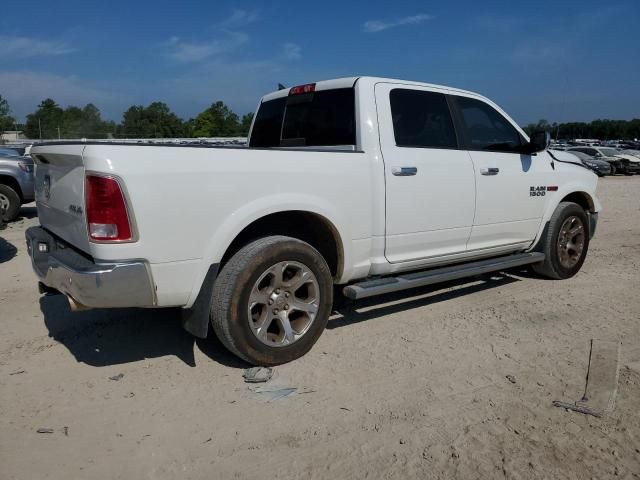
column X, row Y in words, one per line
column 484, row 128
column 318, row 119
column 421, row 119
column 268, row 124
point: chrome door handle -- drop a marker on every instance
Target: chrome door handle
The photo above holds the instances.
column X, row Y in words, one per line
column 404, row 171
column 490, row 171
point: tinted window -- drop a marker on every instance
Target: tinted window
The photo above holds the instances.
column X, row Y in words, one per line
column 483, row 128
column 268, row 124
column 421, row 119
column 323, row 118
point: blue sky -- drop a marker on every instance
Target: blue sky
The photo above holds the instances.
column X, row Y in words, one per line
column 558, row 60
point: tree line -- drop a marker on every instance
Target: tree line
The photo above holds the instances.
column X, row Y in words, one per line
column 600, row 129
column 51, row 121
column 158, row 121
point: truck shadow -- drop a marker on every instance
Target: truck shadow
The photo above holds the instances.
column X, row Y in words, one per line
column 7, row 250
column 103, row 337
column 348, row 312
column 27, row 212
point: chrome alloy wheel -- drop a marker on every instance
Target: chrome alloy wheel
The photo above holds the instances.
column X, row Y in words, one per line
column 571, row 240
column 283, row 303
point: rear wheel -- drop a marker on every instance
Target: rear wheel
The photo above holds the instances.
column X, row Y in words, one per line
column 566, row 243
column 9, row 203
column 272, row 300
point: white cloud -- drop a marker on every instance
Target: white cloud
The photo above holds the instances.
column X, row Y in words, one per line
column 292, row 51
column 374, row 26
column 25, row 89
column 15, row 46
column 184, row 51
column 239, row 18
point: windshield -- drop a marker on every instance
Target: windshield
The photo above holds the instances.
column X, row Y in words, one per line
column 318, row 119
column 609, row 152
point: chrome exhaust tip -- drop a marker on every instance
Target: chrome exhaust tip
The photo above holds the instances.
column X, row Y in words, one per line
column 75, row 306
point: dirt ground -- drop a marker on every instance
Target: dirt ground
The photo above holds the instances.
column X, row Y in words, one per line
column 404, row 386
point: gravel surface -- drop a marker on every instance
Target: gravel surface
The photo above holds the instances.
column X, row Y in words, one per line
column 452, row 381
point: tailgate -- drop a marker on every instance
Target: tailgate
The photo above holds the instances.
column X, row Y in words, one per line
column 59, row 192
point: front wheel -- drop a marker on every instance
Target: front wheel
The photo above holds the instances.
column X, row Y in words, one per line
column 566, row 243
column 272, row 300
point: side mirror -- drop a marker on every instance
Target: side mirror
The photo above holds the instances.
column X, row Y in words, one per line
column 539, row 141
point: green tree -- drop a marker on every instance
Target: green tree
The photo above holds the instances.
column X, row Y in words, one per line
column 245, row 124
column 216, row 121
column 154, row 121
column 46, row 119
column 7, row 122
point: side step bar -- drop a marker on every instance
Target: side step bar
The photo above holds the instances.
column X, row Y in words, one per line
column 378, row 286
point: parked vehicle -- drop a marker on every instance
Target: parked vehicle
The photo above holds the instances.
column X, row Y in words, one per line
column 16, row 184
column 634, row 153
column 627, row 165
column 601, row 167
column 373, row 184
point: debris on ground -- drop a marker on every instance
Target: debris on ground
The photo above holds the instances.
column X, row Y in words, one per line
column 601, row 382
column 45, row 430
column 277, row 392
column 118, row 377
column 257, row 374
column 17, row 372
column 511, row 378
column 576, row 408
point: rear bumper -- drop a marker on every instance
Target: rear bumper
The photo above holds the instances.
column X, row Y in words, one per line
column 92, row 284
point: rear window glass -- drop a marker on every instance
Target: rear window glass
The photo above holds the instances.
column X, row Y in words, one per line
column 318, row 119
column 421, row 119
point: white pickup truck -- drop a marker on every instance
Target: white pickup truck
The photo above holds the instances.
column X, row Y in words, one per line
column 373, row 184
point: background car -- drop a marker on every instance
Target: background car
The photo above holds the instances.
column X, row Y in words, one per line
column 600, row 167
column 619, row 163
column 16, row 184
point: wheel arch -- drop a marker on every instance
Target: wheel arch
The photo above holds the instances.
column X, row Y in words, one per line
column 586, row 200
column 9, row 181
column 581, row 198
column 308, row 225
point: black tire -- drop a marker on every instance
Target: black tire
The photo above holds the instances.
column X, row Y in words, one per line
column 552, row 267
column 229, row 311
column 11, row 212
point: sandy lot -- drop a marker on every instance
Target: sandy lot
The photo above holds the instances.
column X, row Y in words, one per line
column 405, row 386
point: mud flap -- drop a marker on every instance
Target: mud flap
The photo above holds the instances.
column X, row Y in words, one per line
column 195, row 320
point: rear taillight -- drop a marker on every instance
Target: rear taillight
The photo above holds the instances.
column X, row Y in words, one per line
column 106, row 210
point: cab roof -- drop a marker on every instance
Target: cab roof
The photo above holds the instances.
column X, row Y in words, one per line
column 348, row 82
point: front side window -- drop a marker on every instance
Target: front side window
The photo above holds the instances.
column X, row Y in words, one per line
column 421, row 119
column 484, row 128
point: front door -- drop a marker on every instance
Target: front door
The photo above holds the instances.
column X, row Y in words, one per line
column 511, row 186
column 430, row 184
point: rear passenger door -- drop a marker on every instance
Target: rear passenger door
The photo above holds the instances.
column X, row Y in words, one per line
column 430, row 185
column 507, row 215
